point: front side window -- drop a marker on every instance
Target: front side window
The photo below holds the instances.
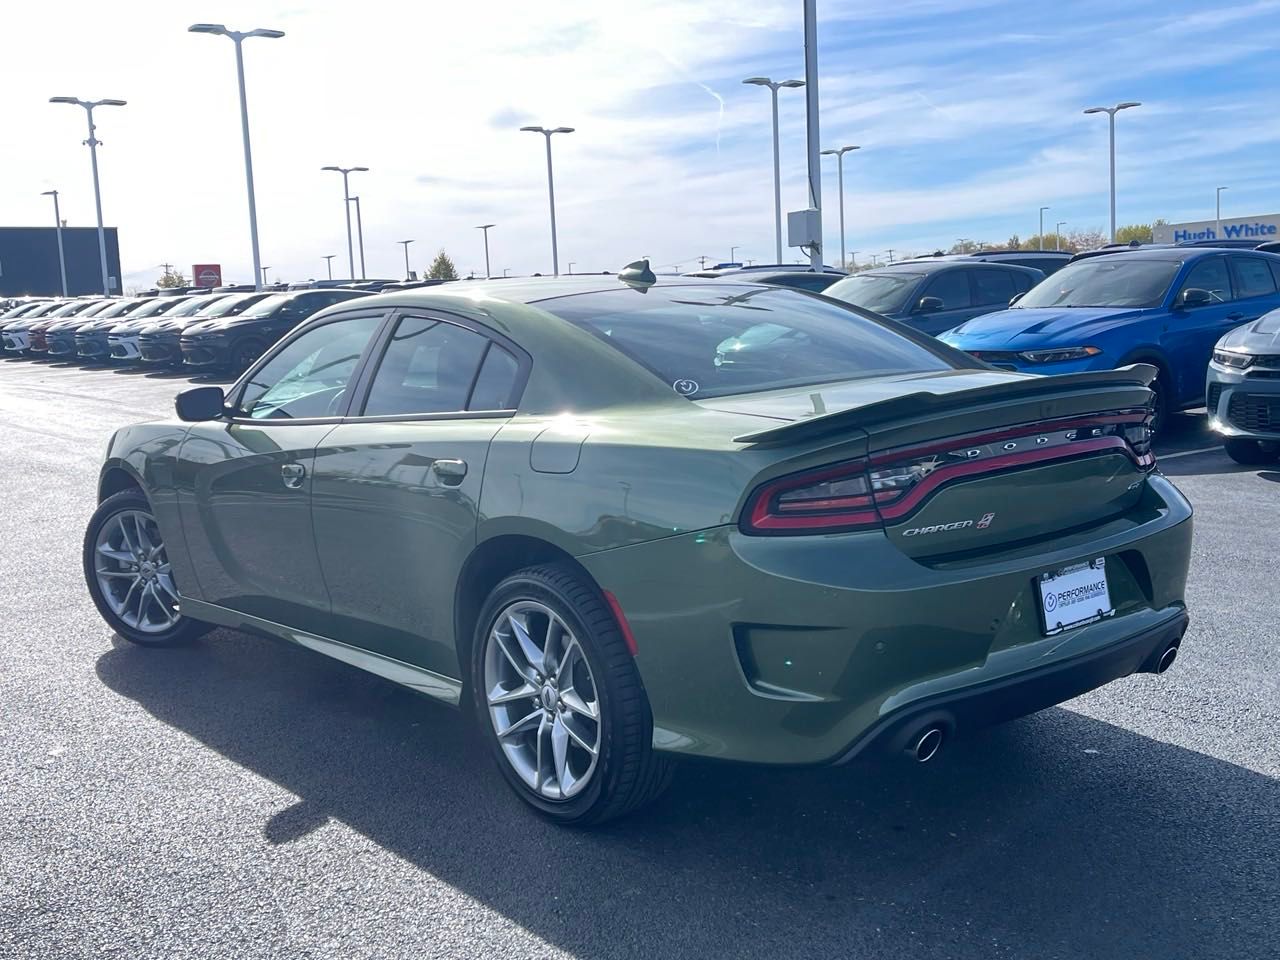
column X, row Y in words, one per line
column 311, row 375
column 1211, row 275
column 992, row 287
column 879, row 292
column 429, row 367
column 716, row 340
column 952, row 288
column 1253, row 277
column 1114, row 280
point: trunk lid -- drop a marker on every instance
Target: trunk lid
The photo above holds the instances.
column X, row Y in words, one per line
column 974, row 459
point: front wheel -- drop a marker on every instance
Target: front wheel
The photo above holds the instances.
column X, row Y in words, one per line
column 245, row 352
column 560, row 702
column 126, row 566
column 1250, row 453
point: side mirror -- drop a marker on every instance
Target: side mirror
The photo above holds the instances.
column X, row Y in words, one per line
column 1195, row 297
column 199, row 404
column 1015, row 298
column 929, row 305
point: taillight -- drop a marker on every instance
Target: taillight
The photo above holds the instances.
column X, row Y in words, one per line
column 823, row 500
column 891, row 485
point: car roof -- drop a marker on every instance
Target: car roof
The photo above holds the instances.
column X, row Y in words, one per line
column 1173, row 252
column 927, row 266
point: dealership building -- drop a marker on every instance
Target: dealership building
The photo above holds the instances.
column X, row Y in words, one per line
column 29, row 261
column 1262, row 229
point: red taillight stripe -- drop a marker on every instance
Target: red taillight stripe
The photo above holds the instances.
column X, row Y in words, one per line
column 628, row 637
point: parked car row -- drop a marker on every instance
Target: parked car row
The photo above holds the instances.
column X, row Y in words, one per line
column 225, row 329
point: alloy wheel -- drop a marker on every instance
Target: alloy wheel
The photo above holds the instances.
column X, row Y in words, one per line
column 133, row 572
column 543, row 700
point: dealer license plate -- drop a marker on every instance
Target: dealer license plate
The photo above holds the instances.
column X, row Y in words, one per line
column 1075, row 596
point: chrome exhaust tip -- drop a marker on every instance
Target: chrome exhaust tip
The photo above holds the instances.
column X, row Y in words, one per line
column 927, row 745
column 1166, row 659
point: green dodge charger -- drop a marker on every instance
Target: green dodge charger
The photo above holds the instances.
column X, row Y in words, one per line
column 625, row 519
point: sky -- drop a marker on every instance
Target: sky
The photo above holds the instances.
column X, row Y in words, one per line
column 968, row 114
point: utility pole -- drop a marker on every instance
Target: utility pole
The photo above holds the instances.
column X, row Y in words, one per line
column 890, row 252
column 702, row 262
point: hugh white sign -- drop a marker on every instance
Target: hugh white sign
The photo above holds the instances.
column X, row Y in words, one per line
column 1242, row 228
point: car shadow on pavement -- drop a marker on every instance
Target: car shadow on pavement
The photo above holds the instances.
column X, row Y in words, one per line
column 1057, row 835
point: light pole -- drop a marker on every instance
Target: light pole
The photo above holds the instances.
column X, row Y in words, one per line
column 92, row 144
column 346, row 206
column 359, row 235
column 773, row 86
column 505, row 272
column 1042, row 210
column 1217, row 216
column 405, row 244
column 733, row 251
column 839, row 155
column 488, row 274
column 238, row 37
column 1111, row 116
column 551, row 189
column 264, row 277
column 57, row 221
column 1057, row 234
column 571, row 262
column 813, row 136
column 328, row 262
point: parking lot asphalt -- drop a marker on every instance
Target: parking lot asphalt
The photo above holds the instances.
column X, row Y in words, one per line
column 243, row 798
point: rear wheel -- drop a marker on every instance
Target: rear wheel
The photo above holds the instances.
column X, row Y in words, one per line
column 559, row 699
column 126, row 565
column 1250, row 452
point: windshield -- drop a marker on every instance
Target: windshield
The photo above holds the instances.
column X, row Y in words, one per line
column 1111, row 281
column 231, row 306
column 193, row 306
column 264, row 307
column 880, row 292
column 156, row 307
column 709, row 341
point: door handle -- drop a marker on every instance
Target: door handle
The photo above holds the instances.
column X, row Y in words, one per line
column 450, row 472
column 293, row 475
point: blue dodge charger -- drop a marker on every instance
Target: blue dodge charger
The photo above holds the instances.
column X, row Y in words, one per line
column 1166, row 307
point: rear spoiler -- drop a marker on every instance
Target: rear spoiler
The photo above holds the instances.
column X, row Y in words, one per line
column 925, row 403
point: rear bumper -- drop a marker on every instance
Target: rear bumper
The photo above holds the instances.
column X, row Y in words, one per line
column 1243, row 404
column 808, row 650
column 1022, row 693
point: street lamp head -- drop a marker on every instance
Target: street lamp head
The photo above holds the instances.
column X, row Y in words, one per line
column 217, row 29
column 484, row 226
column 1096, row 110
column 111, row 103
column 269, row 34
column 791, row 83
column 758, row 81
column 563, row 130
column 49, row 193
column 533, row 130
column 1128, row 103
column 359, row 169
column 64, row 100
column 335, row 169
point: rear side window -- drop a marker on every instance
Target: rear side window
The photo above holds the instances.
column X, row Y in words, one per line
column 1253, row 277
column 428, row 367
column 952, row 288
column 1023, row 282
column 496, row 381
column 992, row 287
column 716, row 340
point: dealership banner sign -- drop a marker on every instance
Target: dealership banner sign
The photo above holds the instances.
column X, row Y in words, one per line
column 1241, row 228
column 206, row 274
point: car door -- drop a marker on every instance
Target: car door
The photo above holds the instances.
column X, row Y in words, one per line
column 396, row 485
column 1193, row 330
column 245, row 481
column 952, row 287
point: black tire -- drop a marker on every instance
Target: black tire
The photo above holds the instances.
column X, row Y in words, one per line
column 1250, row 453
column 629, row 773
column 244, row 352
column 184, row 629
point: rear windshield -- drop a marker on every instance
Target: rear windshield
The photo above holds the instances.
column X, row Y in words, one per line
column 879, row 292
column 709, row 341
column 1110, row 281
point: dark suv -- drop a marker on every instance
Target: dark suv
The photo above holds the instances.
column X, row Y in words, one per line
column 235, row 342
column 1046, row 261
column 935, row 295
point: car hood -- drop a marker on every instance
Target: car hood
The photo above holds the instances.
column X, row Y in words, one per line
column 1039, row 326
column 827, row 398
column 1262, row 336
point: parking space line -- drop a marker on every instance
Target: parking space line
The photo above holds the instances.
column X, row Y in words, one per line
column 1186, row 453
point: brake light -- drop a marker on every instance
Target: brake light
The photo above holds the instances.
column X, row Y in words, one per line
column 862, row 494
